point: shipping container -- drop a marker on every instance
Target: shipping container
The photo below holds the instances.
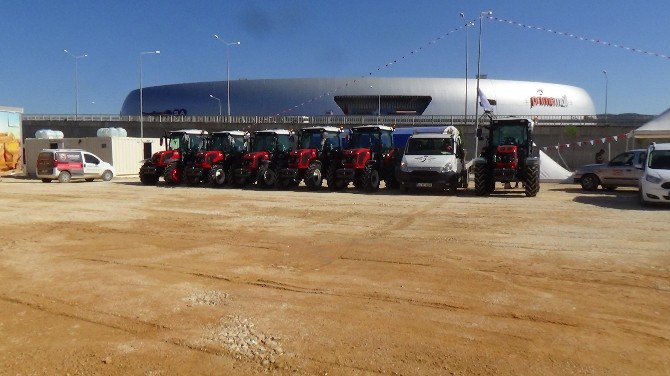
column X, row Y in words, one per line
column 124, row 153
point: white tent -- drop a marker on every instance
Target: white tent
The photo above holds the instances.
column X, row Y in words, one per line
column 658, row 127
column 552, row 171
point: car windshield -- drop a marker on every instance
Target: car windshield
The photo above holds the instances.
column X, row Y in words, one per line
column 430, row 146
column 659, row 160
column 227, row 143
column 509, row 135
column 364, row 139
column 264, row 142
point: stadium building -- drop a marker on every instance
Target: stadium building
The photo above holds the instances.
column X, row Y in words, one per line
column 359, row 96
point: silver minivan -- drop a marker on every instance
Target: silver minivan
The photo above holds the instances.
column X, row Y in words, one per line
column 68, row 164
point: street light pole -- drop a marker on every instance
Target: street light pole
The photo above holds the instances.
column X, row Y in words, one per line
column 465, row 114
column 606, row 84
column 141, row 98
column 76, row 81
column 479, row 59
column 211, row 96
column 228, row 44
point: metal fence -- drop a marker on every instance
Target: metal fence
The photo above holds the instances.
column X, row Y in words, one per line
column 400, row 121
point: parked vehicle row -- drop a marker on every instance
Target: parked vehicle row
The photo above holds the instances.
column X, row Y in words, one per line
column 364, row 155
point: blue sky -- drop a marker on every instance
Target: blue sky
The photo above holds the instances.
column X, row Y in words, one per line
column 319, row 38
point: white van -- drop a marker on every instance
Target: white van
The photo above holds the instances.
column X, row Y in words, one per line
column 68, row 164
column 654, row 184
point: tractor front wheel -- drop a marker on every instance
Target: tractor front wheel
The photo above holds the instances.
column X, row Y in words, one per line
column 172, row 175
column 266, row 177
column 217, row 176
column 313, row 177
column 370, row 179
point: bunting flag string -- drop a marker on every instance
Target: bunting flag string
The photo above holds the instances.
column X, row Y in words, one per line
column 381, row 67
column 578, row 37
column 595, row 141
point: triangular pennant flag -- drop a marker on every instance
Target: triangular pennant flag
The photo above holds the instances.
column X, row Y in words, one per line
column 567, row 145
column 544, row 148
column 591, row 142
column 603, row 140
column 579, row 143
column 623, row 135
column 615, row 138
column 556, row 147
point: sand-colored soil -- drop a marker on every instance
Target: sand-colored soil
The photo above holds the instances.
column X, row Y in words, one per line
column 118, row 278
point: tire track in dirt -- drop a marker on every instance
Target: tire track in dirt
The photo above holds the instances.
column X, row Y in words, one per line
column 264, row 283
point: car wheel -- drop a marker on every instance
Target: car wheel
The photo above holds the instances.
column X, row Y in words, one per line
column 64, row 177
column 590, row 182
column 107, row 175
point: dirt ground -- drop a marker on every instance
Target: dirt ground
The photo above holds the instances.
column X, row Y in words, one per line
column 118, row 278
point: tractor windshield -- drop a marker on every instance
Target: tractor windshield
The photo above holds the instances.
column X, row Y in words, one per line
column 264, row 142
column 186, row 141
column 364, row 139
column 430, row 146
column 509, row 135
column 227, row 143
column 317, row 139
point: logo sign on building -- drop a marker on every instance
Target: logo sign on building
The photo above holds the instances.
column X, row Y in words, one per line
column 549, row 101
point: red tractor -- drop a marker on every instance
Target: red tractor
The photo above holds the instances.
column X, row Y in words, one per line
column 370, row 158
column 319, row 154
column 182, row 147
column 509, row 156
column 215, row 165
column 267, row 155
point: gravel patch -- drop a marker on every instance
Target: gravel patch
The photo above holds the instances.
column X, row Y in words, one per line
column 210, row 298
column 238, row 335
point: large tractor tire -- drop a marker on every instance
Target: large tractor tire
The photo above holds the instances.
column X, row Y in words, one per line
column 172, row 175
column 149, row 179
column 532, row 180
column 266, row 177
column 313, row 177
column 482, row 184
column 217, row 177
column 370, row 179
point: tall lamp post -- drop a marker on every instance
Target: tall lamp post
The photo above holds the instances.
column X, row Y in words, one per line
column 219, row 100
column 465, row 114
column 479, row 59
column 76, row 81
column 141, row 98
column 228, row 44
column 606, row 84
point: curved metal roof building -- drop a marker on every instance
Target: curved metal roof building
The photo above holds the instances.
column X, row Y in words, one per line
column 359, row 96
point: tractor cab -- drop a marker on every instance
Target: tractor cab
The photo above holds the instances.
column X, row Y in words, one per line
column 369, row 158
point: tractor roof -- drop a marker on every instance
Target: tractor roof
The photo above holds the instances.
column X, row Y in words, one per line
column 189, row 131
column 327, row 129
column 275, row 131
column 232, row 133
column 380, row 127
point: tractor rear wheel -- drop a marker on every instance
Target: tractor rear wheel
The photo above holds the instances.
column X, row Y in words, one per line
column 370, row 179
column 482, row 184
column 532, row 180
column 313, row 177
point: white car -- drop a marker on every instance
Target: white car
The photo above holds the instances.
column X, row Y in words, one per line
column 68, row 164
column 655, row 180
